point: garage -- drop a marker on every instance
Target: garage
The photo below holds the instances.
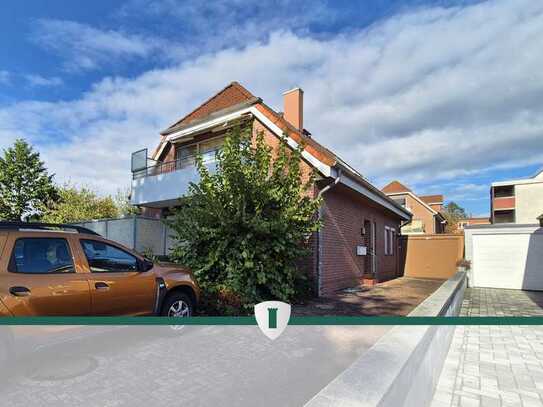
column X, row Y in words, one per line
column 505, row 256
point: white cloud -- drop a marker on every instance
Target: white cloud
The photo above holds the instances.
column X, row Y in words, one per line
column 431, row 95
column 38, row 80
column 88, row 48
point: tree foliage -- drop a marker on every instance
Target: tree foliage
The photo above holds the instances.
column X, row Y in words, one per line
column 122, row 202
column 243, row 227
column 25, row 185
column 453, row 213
column 75, row 205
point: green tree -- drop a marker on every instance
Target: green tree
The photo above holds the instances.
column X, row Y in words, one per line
column 453, row 213
column 75, row 205
column 124, row 207
column 25, row 185
column 243, row 228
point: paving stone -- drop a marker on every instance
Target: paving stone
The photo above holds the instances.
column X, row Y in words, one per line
column 495, row 366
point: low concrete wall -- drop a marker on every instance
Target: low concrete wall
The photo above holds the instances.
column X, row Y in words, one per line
column 403, row 367
column 431, row 256
column 136, row 232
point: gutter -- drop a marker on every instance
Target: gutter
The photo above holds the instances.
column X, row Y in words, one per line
column 319, row 232
column 362, row 181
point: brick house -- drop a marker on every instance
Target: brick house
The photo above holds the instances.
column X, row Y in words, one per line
column 361, row 224
column 426, row 209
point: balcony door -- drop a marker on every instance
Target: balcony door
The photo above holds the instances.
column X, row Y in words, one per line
column 185, row 156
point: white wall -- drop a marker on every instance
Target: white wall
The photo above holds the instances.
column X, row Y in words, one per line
column 403, row 367
column 505, row 256
column 529, row 202
column 164, row 190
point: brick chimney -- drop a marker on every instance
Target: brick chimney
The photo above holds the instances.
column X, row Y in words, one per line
column 294, row 107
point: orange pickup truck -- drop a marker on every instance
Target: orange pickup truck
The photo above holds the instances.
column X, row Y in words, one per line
column 66, row 270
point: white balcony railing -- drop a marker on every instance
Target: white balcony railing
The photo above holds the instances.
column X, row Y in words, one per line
column 162, row 184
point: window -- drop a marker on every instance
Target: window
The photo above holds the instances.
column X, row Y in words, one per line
column 504, row 191
column 390, row 241
column 209, row 149
column 41, row 256
column 399, row 199
column 185, row 155
column 104, row 258
column 507, row 216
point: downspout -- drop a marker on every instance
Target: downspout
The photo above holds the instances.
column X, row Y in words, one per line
column 319, row 232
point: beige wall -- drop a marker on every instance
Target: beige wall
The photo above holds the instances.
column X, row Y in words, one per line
column 431, row 256
column 529, row 202
column 420, row 212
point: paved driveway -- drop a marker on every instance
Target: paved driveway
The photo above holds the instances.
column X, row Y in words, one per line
column 395, row 297
column 491, row 366
column 499, row 302
column 199, row 366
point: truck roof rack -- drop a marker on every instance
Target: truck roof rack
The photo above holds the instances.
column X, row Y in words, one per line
column 45, row 226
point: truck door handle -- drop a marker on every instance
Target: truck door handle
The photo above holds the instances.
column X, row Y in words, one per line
column 19, row 291
column 101, row 286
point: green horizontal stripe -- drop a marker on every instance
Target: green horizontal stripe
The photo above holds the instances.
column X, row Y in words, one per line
column 251, row 321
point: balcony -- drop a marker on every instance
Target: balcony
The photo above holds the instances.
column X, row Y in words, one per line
column 161, row 185
column 504, row 203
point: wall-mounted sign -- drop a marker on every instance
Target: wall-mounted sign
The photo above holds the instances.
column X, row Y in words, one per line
column 361, row 250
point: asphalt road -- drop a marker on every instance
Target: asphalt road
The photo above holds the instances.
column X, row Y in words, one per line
column 197, row 366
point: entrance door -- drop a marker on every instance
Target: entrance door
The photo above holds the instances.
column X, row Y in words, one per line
column 373, row 256
column 369, row 229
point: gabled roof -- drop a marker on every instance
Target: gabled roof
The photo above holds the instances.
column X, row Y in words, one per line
column 235, row 98
column 231, row 95
column 395, row 187
column 235, row 95
column 432, row 199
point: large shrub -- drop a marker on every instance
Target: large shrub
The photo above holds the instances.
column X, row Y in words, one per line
column 243, row 228
column 76, row 205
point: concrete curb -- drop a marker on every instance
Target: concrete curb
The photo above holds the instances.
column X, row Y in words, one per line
column 403, row 367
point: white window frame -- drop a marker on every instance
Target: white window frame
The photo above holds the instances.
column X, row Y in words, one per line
column 386, row 240
column 197, row 144
column 389, row 241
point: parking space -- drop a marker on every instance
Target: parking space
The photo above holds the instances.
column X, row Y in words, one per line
column 490, row 302
column 499, row 365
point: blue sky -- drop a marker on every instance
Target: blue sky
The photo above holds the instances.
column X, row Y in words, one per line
column 444, row 96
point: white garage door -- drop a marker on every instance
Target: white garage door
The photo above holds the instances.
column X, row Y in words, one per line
column 510, row 260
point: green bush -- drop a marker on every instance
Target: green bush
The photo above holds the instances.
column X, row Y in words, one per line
column 243, row 227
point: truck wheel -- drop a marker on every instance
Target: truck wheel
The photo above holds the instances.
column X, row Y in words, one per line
column 177, row 305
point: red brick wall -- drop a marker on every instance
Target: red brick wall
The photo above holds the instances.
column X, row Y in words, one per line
column 272, row 140
column 344, row 212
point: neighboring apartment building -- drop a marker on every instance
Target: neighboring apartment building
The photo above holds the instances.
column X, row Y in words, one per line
column 426, row 210
column 517, row 201
column 359, row 237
